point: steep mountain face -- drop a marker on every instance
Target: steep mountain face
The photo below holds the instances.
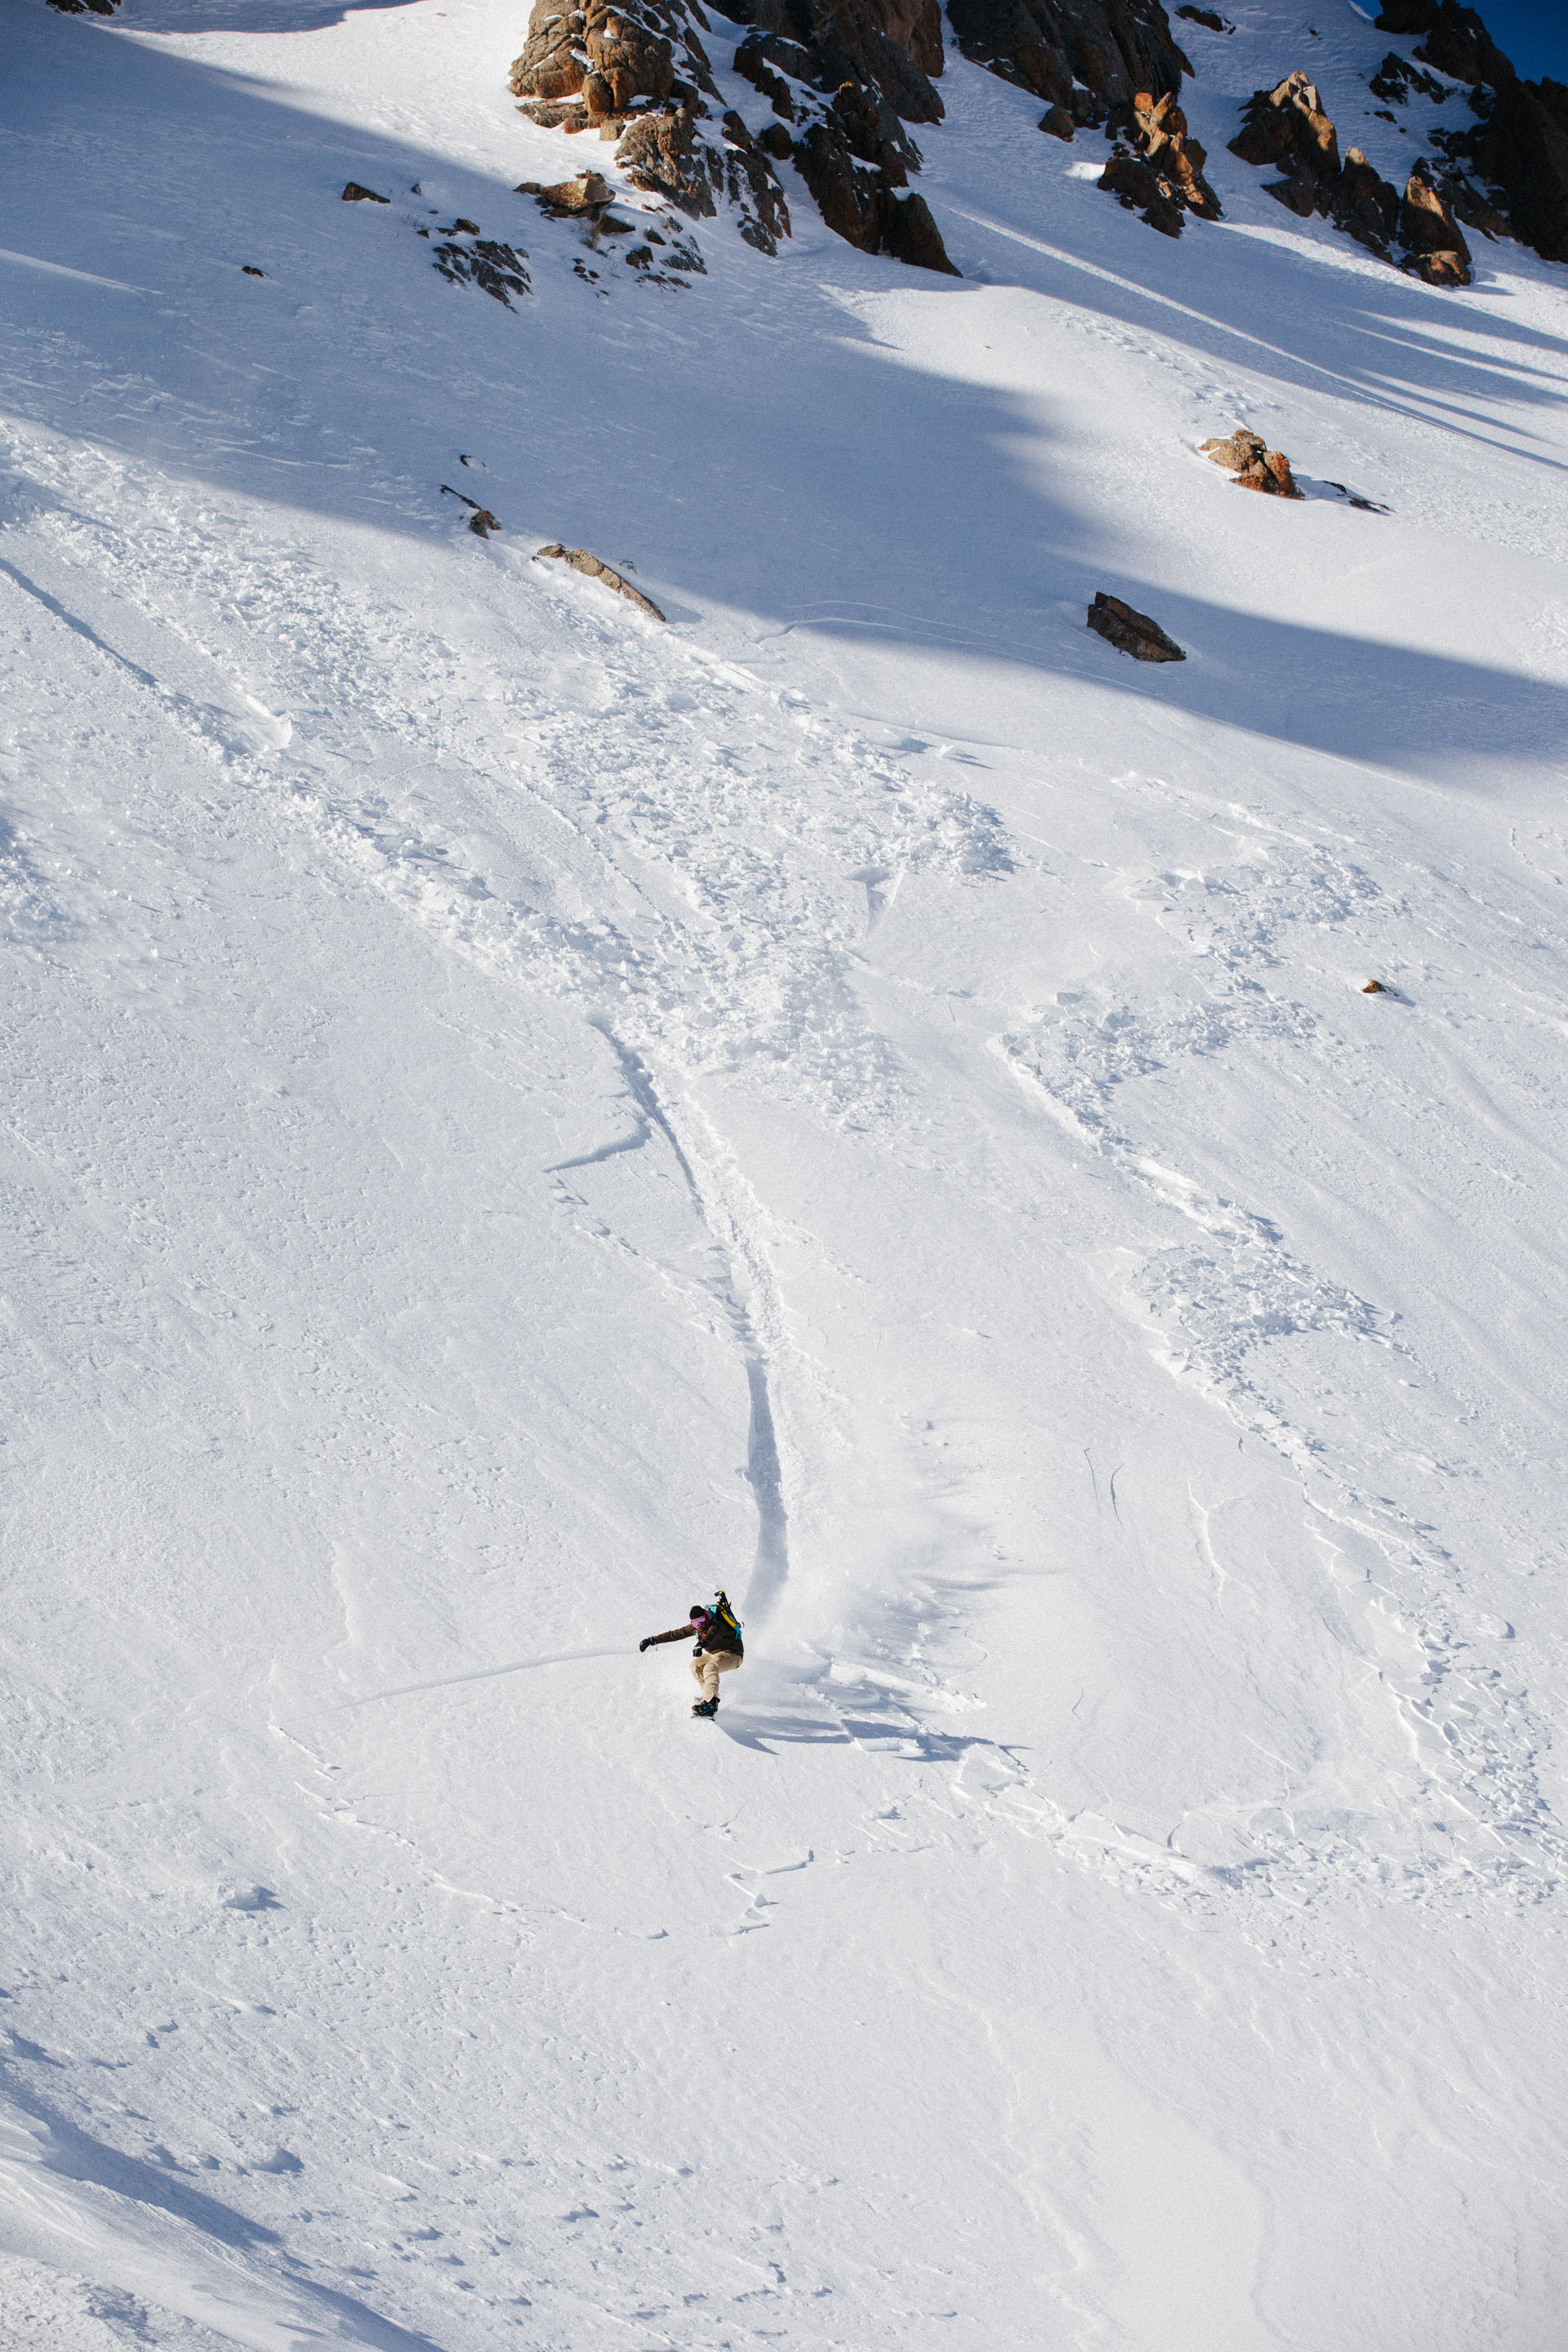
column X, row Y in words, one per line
column 843, row 78
column 683, row 906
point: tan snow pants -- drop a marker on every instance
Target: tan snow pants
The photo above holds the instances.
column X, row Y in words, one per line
column 707, row 1668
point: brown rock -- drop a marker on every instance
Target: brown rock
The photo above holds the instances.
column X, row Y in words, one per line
column 354, row 195
column 1254, row 467
column 1084, row 55
column 910, row 234
column 1364, row 205
column 1287, row 126
column 1159, row 129
column 1425, row 223
column 581, row 561
column 1139, row 187
column 893, row 47
column 1436, row 268
column 586, row 194
column 1374, row 988
column 1058, row 122
column 1209, row 19
column 1132, row 633
column 549, row 67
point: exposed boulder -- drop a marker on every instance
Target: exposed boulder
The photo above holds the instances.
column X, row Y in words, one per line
column 1158, row 128
column 1365, row 206
column 1254, row 467
column 1140, row 188
column 1434, row 245
column 1083, row 55
column 481, row 523
column 910, row 234
column 1132, row 633
column 1209, row 19
column 1288, row 127
column 581, row 561
column 589, row 192
column 354, row 195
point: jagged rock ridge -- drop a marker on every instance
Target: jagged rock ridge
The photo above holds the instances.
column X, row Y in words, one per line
column 1518, row 145
column 639, row 74
column 1287, row 127
column 843, row 78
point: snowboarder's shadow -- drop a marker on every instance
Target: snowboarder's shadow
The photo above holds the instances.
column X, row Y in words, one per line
column 886, row 1735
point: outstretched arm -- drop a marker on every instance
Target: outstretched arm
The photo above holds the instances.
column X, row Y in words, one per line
column 676, row 1633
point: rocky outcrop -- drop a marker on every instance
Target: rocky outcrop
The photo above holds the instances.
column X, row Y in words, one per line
column 581, row 561
column 847, row 76
column 1086, row 56
column 1158, row 129
column 1138, row 187
column 1396, row 78
column 1366, row 206
column 1209, row 19
column 892, row 49
column 1160, row 175
column 1522, row 149
column 1433, row 243
column 638, row 73
column 1455, row 42
column 1520, row 146
column 1288, row 127
column 1132, row 633
column 1254, row 467
column 846, row 133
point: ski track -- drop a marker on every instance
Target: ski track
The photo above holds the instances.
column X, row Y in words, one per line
column 648, row 868
column 695, row 865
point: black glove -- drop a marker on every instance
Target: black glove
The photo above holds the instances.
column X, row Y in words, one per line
column 642, row 1645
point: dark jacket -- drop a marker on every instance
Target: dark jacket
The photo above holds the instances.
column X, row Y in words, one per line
column 714, row 1637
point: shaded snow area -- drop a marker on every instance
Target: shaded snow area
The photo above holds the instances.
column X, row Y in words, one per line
column 515, row 1116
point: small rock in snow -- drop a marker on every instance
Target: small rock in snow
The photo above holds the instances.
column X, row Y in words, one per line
column 354, row 195
column 1132, row 633
column 1255, row 467
column 581, row 561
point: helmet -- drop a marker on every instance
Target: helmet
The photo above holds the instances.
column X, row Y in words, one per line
column 698, row 1610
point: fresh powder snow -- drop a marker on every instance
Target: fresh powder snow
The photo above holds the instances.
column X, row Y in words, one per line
column 517, row 1116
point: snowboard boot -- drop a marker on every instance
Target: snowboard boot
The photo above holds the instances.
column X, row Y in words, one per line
column 706, row 1707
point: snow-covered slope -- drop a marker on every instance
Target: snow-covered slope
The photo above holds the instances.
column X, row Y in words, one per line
column 515, row 1117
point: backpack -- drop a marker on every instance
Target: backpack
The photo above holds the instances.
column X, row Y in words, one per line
column 724, row 1615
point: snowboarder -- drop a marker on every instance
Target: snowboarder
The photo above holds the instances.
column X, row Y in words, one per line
column 720, row 1649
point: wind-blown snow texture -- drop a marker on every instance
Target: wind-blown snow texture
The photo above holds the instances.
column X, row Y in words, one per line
column 515, row 1117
